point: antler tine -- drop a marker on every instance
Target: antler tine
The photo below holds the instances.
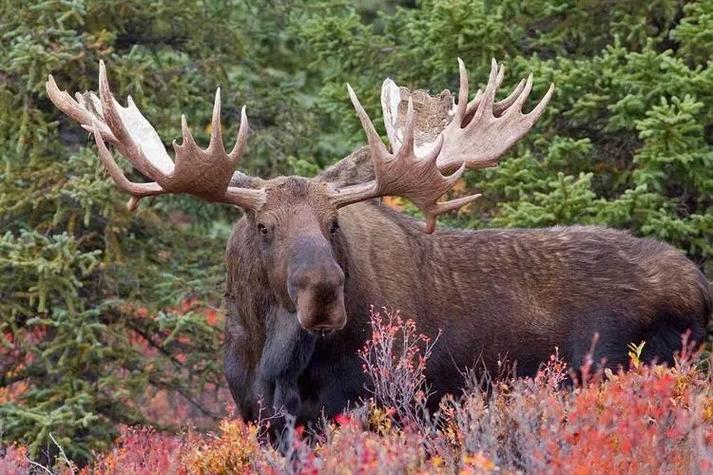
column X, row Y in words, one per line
column 409, row 139
column 522, row 97
column 445, row 207
column 488, row 98
column 242, row 139
column 74, row 109
column 472, row 106
column 501, row 106
column 535, row 113
column 371, row 135
column 187, row 139
column 96, row 103
column 501, row 74
column 462, row 91
column 216, row 134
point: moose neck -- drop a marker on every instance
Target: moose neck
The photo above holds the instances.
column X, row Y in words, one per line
column 366, row 226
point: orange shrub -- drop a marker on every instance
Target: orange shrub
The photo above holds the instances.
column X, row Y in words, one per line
column 235, row 451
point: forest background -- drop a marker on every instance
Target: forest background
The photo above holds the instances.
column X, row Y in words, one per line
column 109, row 317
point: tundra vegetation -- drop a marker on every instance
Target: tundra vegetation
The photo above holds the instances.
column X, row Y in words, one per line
column 111, row 320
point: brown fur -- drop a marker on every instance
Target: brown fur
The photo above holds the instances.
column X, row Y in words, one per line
column 515, row 293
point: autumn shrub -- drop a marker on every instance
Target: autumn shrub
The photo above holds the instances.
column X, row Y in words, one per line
column 141, row 451
column 235, row 450
column 649, row 419
column 13, row 460
column 395, row 359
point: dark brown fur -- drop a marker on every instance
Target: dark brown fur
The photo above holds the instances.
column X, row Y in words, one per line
column 515, row 293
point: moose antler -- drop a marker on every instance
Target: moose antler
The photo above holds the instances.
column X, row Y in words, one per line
column 203, row 173
column 402, row 173
column 477, row 135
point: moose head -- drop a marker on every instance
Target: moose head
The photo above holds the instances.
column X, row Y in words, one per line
column 296, row 219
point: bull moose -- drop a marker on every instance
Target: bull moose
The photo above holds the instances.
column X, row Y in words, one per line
column 310, row 256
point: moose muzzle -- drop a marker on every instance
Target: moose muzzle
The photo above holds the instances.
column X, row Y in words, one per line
column 315, row 283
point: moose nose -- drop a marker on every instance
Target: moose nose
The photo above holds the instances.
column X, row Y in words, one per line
column 318, row 295
column 323, row 279
column 323, row 323
column 320, row 305
column 315, row 283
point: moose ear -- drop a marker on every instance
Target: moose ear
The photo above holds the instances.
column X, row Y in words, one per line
column 432, row 115
column 241, row 180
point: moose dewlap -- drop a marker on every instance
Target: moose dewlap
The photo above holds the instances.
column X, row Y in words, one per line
column 309, row 257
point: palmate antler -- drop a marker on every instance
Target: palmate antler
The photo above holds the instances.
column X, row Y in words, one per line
column 476, row 135
column 402, row 173
column 203, row 173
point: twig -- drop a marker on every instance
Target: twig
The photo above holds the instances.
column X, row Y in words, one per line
column 38, row 465
column 70, row 464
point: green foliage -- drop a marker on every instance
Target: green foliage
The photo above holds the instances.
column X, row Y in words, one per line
column 100, row 307
column 626, row 141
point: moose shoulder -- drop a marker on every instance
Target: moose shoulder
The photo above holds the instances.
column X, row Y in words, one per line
column 310, row 256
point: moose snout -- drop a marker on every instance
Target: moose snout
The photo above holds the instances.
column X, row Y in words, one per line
column 318, row 295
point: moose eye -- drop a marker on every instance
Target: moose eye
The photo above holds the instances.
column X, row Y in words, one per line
column 262, row 228
column 335, row 226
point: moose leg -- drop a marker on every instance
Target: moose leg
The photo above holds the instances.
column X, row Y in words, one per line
column 331, row 383
column 602, row 337
column 287, row 351
column 237, row 372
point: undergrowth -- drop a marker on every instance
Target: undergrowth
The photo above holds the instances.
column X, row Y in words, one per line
column 649, row 419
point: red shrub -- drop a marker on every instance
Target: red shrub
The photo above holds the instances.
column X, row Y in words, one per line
column 13, row 460
column 395, row 361
column 141, row 451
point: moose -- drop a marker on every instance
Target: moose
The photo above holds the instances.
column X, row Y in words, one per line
column 310, row 256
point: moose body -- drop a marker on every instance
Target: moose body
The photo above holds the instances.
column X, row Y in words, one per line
column 311, row 256
column 510, row 294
